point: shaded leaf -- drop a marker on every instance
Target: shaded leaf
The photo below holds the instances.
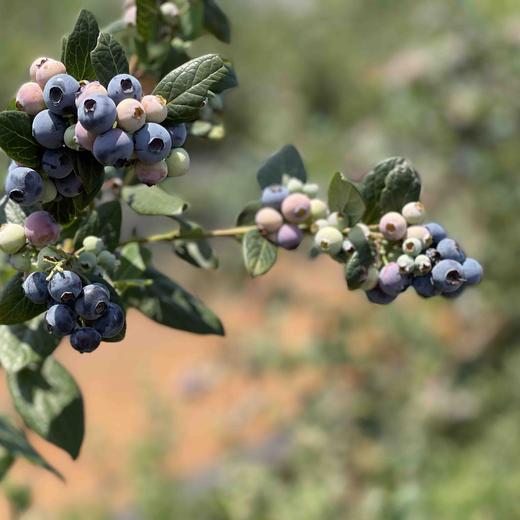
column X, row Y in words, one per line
column 247, row 216
column 216, row 21
column 258, row 253
column 108, row 58
column 356, row 268
column 50, row 403
column 16, row 138
column 146, row 18
column 287, row 161
column 14, row 306
column 191, row 18
column 345, row 198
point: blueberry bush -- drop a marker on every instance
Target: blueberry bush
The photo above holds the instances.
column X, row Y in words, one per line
column 104, row 127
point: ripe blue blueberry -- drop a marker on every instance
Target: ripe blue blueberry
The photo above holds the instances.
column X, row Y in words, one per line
column 35, row 288
column 96, row 114
column 24, row 186
column 437, row 232
column 178, row 134
column 274, row 195
column 60, row 319
column 49, row 129
column 449, row 249
column 454, row 294
column 124, row 86
column 376, row 295
column 87, row 261
column 472, row 271
column 70, row 186
column 391, row 280
column 152, row 143
column 57, row 164
column 60, row 94
column 448, row 275
column 111, row 323
column 93, row 303
column 424, row 286
column 113, row 148
column 85, row 339
column 65, row 287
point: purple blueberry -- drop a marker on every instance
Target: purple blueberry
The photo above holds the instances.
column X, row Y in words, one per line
column 379, row 297
column 60, row 94
column 289, row 236
column 85, row 339
column 448, row 276
column 124, row 86
column 60, row 319
column 93, row 302
column 49, row 129
column 57, row 164
column 70, row 186
column 437, row 232
column 391, row 280
column 152, row 143
column 449, row 249
column 35, row 288
column 97, row 114
column 65, row 286
column 113, row 148
column 473, row 271
column 41, row 229
column 274, row 195
column 24, row 186
column 178, row 134
column 111, row 323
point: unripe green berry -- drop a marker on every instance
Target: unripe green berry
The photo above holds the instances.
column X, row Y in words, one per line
column 311, row 190
column 365, row 229
column 318, row 224
column 294, row 185
column 372, row 279
column 423, row 264
column 12, row 238
column 319, row 209
column 178, row 162
column 21, row 262
column 87, row 261
column 348, row 246
column 50, row 192
column 422, row 233
column 414, row 213
column 337, row 220
column 329, row 240
column 107, row 260
column 70, row 138
column 93, row 244
column 406, row 263
column 412, row 246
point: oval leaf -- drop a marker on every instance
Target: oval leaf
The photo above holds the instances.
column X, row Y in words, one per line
column 344, row 197
column 108, row 58
column 287, row 161
column 153, row 201
column 16, row 138
column 259, row 254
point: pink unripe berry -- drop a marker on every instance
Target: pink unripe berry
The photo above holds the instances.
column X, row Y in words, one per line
column 393, row 226
column 268, row 220
column 130, row 16
column 151, row 174
column 84, row 138
column 90, row 89
column 289, row 236
column 130, row 115
column 155, row 108
column 35, row 65
column 29, row 99
column 47, row 69
column 41, row 229
column 296, row 208
column 420, row 232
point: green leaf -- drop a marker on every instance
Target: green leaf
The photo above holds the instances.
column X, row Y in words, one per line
column 108, row 58
column 198, row 252
column 258, row 253
column 146, row 18
column 191, row 18
column 345, row 198
column 50, row 403
column 103, row 222
column 16, row 138
column 287, row 161
column 132, row 264
column 14, row 306
column 169, row 304
column 15, row 441
column 14, row 213
column 153, row 201
column 247, row 216
column 186, row 87
column 64, row 42
column 79, row 44
column 230, row 80
column 26, row 344
column 216, row 22
column 356, row 269
column 388, row 187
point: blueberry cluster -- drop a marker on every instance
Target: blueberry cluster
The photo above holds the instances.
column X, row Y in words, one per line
column 117, row 124
column 286, row 207
column 419, row 255
column 82, row 311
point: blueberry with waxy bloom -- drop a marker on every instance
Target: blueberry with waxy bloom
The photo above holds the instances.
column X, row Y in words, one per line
column 391, row 280
column 152, row 143
column 111, row 322
column 437, row 232
column 274, row 195
column 24, row 186
column 449, row 249
column 448, row 275
column 473, row 271
column 113, row 148
column 178, row 134
column 70, row 186
column 65, row 286
column 57, row 164
column 60, row 94
column 85, row 339
column 379, row 297
column 97, row 114
column 49, row 129
column 93, row 303
column 35, row 288
column 124, row 86
column 289, row 236
column 60, row 320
